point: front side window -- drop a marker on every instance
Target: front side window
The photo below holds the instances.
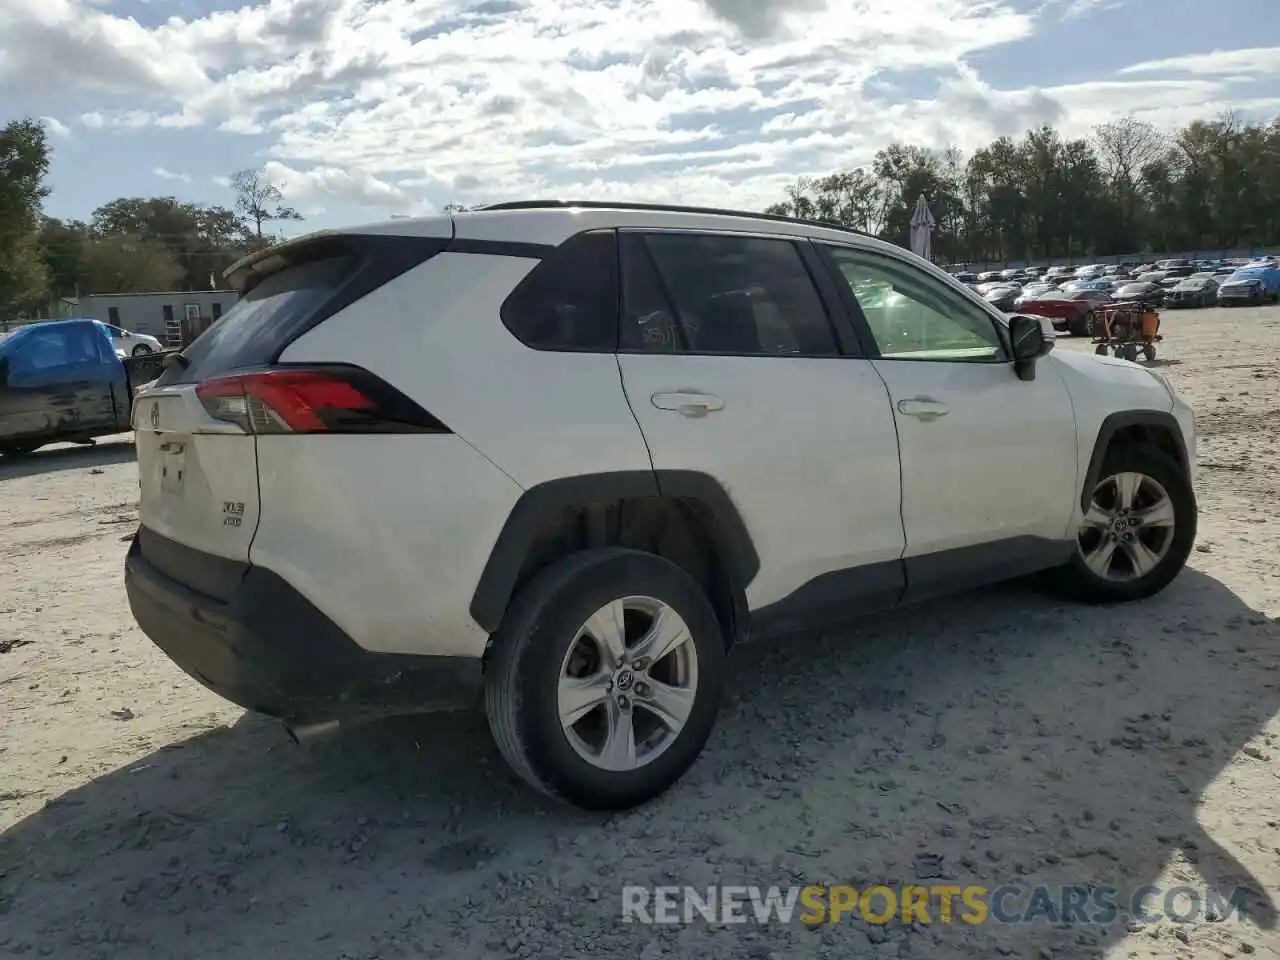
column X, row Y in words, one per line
column 911, row 315
column 736, row 295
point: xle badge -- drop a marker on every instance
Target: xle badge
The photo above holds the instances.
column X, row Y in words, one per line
column 155, row 416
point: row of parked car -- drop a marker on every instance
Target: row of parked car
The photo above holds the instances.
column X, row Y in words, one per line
column 1069, row 296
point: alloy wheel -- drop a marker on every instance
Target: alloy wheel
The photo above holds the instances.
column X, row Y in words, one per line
column 1128, row 527
column 627, row 683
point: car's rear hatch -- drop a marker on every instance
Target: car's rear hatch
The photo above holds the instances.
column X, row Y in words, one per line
column 199, row 424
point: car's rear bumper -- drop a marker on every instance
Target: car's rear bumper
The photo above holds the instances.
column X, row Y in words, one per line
column 266, row 648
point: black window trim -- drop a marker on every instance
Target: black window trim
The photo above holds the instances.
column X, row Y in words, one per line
column 841, row 332
column 862, row 328
column 682, row 346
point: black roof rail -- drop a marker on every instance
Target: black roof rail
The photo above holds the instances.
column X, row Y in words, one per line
column 666, row 208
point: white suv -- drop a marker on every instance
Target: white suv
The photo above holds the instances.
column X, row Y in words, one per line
column 570, row 454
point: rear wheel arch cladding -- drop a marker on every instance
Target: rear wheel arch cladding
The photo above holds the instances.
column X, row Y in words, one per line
column 540, row 504
column 1153, row 426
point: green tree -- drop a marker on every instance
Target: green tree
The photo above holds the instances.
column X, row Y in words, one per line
column 24, row 164
column 62, row 245
column 202, row 240
column 1130, row 188
column 129, row 263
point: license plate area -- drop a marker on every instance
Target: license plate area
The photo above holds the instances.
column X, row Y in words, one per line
column 173, row 467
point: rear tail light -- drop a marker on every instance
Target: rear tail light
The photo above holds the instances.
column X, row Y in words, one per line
column 314, row 400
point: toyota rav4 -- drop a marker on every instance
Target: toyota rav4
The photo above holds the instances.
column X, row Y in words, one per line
column 565, row 456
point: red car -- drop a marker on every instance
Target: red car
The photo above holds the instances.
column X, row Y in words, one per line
column 1069, row 311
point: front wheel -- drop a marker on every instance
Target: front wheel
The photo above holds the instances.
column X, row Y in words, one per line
column 141, row 350
column 605, row 678
column 1137, row 529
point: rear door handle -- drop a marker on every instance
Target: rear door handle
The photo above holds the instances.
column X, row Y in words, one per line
column 688, row 404
column 923, row 408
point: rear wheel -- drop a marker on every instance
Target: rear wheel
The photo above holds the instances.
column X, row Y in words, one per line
column 1100, row 349
column 1149, row 352
column 605, row 678
column 1131, row 352
column 1137, row 530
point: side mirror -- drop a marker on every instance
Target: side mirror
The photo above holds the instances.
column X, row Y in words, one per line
column 1030, row 342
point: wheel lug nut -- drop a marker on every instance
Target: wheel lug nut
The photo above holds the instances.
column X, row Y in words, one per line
column 624, row 703
column 642, row 689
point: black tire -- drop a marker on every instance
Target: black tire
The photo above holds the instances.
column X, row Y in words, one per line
column 1131, row 352
column 1082, row 326
column 1077, row 581
column 1101, row 350
column 19, row 449
column 141, row 350
column 530, row 647
column 1149, row 352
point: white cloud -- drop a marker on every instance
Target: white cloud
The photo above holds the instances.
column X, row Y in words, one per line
column 56, row 128
column 164, row 174
column 310, row 188
column 1263, row 60
column 390, row 104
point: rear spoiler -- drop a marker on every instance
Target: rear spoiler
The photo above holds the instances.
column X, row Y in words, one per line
column 250, row 270
column 247, row 272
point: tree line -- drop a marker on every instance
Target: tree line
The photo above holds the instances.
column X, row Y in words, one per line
column 130, row 245
column 1128, row 188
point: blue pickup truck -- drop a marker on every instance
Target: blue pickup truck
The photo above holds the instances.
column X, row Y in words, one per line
column 62, row 380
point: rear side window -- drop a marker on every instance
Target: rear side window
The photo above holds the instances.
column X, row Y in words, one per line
column 742, row 296
column 570, row 300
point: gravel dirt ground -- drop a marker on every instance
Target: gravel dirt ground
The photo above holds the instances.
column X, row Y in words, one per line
column 999, row 737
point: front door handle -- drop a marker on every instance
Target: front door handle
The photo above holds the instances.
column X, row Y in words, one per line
column 688, row 404
column 923, row 408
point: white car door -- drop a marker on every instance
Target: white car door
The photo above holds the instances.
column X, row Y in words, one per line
column 988, row 459
column 731, row 364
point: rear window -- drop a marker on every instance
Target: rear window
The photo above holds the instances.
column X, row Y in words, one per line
column 252, row 331
column 325, row 275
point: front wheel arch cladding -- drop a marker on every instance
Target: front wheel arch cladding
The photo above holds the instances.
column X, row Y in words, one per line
column 527, row 518
column 1113, row 425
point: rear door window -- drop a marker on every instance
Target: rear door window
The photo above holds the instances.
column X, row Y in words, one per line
column 741, row 296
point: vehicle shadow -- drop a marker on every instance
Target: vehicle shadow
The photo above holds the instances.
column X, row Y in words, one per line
column 997, row 738
column 67, row 457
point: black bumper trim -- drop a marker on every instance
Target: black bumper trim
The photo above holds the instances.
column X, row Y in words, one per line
column 268, row 649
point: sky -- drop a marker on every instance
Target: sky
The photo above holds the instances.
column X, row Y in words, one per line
column 361, row 109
